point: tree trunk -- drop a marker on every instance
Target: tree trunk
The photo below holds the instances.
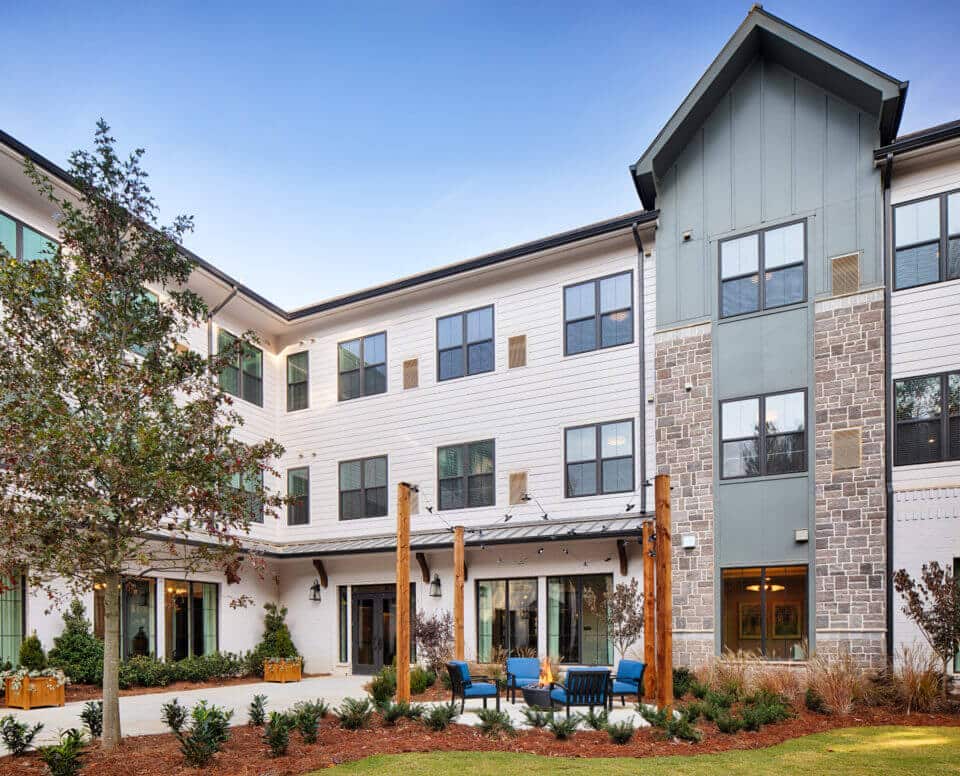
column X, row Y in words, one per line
column 111, row 662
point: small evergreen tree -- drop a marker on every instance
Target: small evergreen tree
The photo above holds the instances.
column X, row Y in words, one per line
column 276, row 641
column 76, row 651
column 31, row 654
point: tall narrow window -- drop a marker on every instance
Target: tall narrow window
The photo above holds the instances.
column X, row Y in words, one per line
column 298, row 489
column 298, row 376
column 138, row 617
column 343, row 621
column 11, row 619
column 363, row 366
column 506, row 617
column 363, row 488
column 927, row 240
column 466, row 475
column 242, row 375
column 764, row 610
column 927, row 430
column 465, row 344
column 251, row 485
column 599, row 459
column 598, row 314
column 777, row 446
column 191, row 618
column 576, row 626
column 762, row 270
column 146, row 306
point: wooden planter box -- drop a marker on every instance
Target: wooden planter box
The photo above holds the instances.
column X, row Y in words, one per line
column 35, row 691
column 282, row 672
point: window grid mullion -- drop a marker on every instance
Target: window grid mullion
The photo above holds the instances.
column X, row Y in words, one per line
column 944, row 417
column 762, row 275
column 763, row 611
column 762, row 423
column 598, row 490
column 944, row 241
column 465, row 346
column 597, row 315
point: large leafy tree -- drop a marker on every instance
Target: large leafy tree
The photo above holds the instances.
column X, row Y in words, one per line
column 119, row 452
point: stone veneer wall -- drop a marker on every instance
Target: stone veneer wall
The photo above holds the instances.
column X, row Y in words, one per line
column 850, row 503
column 685, row 451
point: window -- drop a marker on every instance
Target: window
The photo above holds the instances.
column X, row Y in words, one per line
column 764, row 611
column 12, row 603
column 466, row 474
column 363, row 488
column 924, row 432
column 611, row 471
column 22, row 242
column 138, row 616
column 777, row 447
column 343, row 621
column 363, row 366
column 598, row 314
column 762, row 270
column 465, row 344
column 191, row 618
column 147, row 302
column 506, row 618
column 243, row 376
column 926, row 236
column 298, row 488
column 252, row 486
column 576, row 627
column 298, row 381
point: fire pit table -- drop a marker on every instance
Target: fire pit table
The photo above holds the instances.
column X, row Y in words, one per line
column 536, row 697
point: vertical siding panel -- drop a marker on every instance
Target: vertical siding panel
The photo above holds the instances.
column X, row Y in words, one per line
column 777, row 142
column 840, row 186
column 747, row 145
column 869, row 203
column 810, row 142
column 717, row 170
column 693, row 298
column 668, row 308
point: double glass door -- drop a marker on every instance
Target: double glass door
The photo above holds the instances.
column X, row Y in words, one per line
column 375, row 627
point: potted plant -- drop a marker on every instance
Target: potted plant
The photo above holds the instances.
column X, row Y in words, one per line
column 27, row 689
column 282, row 669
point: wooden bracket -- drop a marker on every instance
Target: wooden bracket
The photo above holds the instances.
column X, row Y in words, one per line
column 321, row 571
column 424, row 568
column 622, row 552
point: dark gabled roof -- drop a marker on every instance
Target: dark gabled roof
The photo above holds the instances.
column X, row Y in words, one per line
column 558, row 240
column 922, row 138
column 763, row 34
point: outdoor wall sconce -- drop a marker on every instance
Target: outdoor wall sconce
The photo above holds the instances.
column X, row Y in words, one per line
column 435, row 586
column 315, row 590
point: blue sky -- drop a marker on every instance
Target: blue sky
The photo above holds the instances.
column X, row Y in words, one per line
column 325, row 147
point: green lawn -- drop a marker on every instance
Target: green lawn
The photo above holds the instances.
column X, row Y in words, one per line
column 870, row 751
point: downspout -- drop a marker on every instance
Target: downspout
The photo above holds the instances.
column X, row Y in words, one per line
column 886, row 175
column 643, row 371
column 213, row 311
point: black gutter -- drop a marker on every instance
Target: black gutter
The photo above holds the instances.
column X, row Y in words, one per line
column 643, row 372
column 886, row 177
column 920, row 139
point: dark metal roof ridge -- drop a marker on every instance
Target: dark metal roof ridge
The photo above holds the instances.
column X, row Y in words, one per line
column 922, row 138
column 478, row 262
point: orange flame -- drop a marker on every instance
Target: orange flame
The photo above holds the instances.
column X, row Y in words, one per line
column 546, row 674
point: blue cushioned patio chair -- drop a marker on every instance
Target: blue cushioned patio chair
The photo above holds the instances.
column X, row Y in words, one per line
column 463, row 687
column 629, row 680
column 583, row 687
column 521, row 671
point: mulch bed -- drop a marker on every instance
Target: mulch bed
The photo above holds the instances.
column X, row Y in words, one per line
column 90, row 692
column 245, row 754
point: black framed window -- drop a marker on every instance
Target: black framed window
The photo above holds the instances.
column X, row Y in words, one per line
column 138, row 615
column 363, row 366
column 750, row 448
column 598, row 314
column 24, row 243
column 925, row 433
column 298, row 488
column 363, row 488
column 926, row 236
column 12, row 618
column 243, row 375
column 763, row 270
column 507, row 618
column 466, row 475
column 298, row 381
column 147, row 305
column 251, row 485
column 343, row 622
column 465, row 343
column 191, row 618
column 764, row 610
column 599, row 459
column 576, row 625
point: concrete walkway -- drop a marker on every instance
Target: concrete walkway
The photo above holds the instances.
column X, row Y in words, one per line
column 140, row 714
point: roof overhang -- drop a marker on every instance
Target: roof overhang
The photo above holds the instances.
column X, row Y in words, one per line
column 765, row 35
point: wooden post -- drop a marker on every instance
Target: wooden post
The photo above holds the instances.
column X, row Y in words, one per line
column 649, row 609
column 664, row 593
column 458, row 577
column 403, row 592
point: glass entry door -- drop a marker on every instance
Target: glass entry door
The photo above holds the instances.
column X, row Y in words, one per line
column 375, row 627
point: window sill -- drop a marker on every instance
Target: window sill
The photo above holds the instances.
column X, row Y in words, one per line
column 595, row 351
column 761, row 313
column 765, row 478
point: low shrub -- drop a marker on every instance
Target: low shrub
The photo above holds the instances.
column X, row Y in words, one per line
column 682, row 681
column 144, row 671
column 722, row 699
column 421, row 680
column 439, row 717
column 64, row 758
column 391, row 712
column 92, row 717
column 728, row 723
column 535, row 717
column 621, row 733
column 699, row 690
column 384, row 685
column 17, row 736
column 208, row 731
column 257, row 711
column 695, row 709
column 596, row 720
column 495, row 723
column 32, row 656
column 174, row 715
column 355, row 713
column 562, row 727
column 76, row 651
column 307, row 716
column 918, row 680
column 445, row 680
column 276, row 733
column 779, row 680
column 838, row 681
column 682, row 729
column 729, row 672
column 814, row 702
column 654, row 717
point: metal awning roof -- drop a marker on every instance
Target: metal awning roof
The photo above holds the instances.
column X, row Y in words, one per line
column 610, row 526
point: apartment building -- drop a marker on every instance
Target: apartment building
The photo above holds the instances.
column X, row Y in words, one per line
column 746, row 331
